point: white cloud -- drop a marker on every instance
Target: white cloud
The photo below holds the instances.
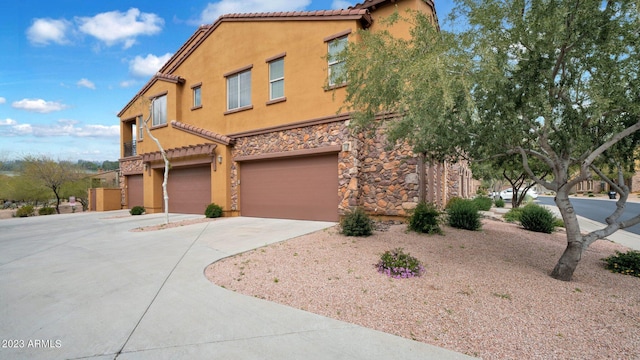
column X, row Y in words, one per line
column 38, row 105
column 216, row 9
column 61, row 128
column 45, row 31
column 7, row 122
column 117, row 27
column 2, row 100
column 147, row 66
column 341, row 4
column 86, row 83
column 128, row 83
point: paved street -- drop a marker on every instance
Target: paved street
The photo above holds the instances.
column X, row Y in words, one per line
column 597, row 209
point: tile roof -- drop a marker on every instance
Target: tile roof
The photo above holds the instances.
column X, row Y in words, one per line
column 296, row 14
column 207, row 134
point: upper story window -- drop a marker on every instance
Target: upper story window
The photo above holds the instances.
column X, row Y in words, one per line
column 197, row 96
column 239, row 90
column 336, row 61
column 159, row 110
column 140, row 128
column 276, row 79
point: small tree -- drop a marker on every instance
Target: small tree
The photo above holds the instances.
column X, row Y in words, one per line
column 165, row 178
column 51, row 174
column 554, row 81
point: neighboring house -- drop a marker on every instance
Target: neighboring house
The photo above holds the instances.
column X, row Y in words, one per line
column 249, row 115
column 105, row 179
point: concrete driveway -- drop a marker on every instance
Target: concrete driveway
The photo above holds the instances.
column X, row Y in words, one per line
column 82, row 286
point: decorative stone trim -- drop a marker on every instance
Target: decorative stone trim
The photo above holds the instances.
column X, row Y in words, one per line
column 383, row 181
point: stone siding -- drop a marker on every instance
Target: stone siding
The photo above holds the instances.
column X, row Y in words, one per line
column 128, row 166
column 383, row 181
column 310, row 137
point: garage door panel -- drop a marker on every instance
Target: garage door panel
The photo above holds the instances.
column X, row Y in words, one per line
column 189, row 189
column 135, row 191
column 294, row 188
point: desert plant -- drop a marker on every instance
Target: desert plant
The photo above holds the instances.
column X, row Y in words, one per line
column 499, row 203
column 425, row 219
column 483, row 203
column 624, row 263
column 25, row 211
column 213, row 211
column 463, row 214
column 400, row 265
column 47, row 210
column 137, row 210
column 513, row 215
column 537, row 218
column 356, row 223
column 452, row 201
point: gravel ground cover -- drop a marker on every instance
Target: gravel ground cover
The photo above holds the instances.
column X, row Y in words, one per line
column 485, row 293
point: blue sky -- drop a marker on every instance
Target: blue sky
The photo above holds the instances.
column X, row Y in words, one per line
column 67, row 67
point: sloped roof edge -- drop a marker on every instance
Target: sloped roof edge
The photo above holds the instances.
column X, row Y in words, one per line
column 203, row 32
column 157, row 77
column 204, row 133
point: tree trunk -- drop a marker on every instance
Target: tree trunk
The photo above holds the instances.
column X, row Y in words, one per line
column 575, row 242
column 568, row 262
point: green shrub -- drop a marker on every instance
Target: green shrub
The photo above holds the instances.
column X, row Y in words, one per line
column 213, row 211
column 46, row 210
column 499, row 203
column 624, row 263
column 356, row 223
column 558, row 222
column 537, row 218
column 24, row 211
column 452, row 201
column 463, row 214
column 425, row 219
column 513, row 215
column 483, row 203
column 137, row 210
column 397, row 264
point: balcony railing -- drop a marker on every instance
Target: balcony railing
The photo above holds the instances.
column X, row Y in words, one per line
column 130, row 149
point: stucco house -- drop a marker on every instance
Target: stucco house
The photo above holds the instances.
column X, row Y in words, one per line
column 248, row 113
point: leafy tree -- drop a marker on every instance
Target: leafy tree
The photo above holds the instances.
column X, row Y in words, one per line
column 26, row 189
column 80, row 189
column 552, row 81
column 51, row 174
column 110, row 165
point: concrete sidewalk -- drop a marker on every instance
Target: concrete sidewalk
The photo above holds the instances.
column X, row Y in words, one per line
column 84, row 286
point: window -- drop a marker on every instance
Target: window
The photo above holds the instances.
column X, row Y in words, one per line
column 159, row 110
column 276, row 79
column 197, row 96
column 141, row 128
column 336, row 61
column 239, row 90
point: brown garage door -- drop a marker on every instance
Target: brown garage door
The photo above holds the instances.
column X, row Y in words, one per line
column 135, row 191
column 304, row 188
column 189, row 189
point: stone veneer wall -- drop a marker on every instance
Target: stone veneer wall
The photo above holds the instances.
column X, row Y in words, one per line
column 128, row 166
column 310, row 137
column 383, row 181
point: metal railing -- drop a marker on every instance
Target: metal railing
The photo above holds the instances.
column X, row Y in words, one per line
column 130, row 148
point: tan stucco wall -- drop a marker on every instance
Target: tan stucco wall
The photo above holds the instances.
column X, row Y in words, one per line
column 107, row 199
column 231, row 46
